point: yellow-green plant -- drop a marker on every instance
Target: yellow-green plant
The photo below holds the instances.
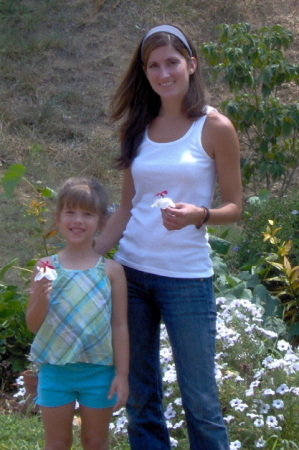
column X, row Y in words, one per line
column 287, row 280
column 14, row 335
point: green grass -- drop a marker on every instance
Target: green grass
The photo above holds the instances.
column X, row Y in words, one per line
column 22, row 432
column 60, row 63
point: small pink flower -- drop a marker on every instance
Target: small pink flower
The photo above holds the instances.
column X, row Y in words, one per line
column 163, row 202
column 161, row 194
column 47, row 271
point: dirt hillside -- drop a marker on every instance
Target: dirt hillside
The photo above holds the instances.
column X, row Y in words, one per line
column 60, row 64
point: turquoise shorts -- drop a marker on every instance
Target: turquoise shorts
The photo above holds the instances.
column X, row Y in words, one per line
column 89, row 384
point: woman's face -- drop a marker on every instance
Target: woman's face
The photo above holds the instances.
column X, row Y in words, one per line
column 168, row 72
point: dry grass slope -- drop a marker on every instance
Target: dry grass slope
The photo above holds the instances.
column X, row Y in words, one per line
column 60, row 63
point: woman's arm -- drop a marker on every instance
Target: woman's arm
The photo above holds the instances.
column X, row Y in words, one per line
column 38, row 304
column 220, row 141
column 117, row 223
column 120, row 334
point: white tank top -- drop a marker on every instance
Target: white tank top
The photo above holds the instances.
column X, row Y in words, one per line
column 187, row 172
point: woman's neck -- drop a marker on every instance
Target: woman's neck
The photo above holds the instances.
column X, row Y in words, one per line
column 171, row 108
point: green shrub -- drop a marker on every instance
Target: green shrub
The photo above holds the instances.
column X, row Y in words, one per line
column 254, row 66
column 15, row 337
column 284, row 212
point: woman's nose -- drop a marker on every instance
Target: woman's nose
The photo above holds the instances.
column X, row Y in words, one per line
column 163, row 73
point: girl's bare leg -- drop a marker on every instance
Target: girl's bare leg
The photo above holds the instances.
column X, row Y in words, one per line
column 58, row 422
column 95, row 428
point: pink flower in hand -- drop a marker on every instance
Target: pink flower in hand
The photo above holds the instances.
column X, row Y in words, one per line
column 163, row 202
column 47, row 271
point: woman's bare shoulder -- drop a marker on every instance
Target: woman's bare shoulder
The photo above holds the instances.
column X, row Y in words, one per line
column 218, row 132
column 218, row 120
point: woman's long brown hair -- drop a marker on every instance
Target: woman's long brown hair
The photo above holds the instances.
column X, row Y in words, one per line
column 137, row 103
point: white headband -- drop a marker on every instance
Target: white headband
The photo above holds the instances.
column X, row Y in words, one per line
column 167, row 29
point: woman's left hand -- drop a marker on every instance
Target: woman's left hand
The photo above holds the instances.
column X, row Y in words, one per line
column 182, row 215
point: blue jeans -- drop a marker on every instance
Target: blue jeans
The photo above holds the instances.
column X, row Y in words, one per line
column 188, row 309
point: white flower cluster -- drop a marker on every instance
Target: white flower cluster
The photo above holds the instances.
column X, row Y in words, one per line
column 257, row 376
column 261, row 369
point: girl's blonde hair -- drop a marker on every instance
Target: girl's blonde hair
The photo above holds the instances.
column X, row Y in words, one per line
column 85, row 193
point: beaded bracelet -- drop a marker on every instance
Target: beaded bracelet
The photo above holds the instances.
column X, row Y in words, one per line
column 206, row 216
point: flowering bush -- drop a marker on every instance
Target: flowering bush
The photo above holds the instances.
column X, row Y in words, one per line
column 258, row 380
column 251, row 245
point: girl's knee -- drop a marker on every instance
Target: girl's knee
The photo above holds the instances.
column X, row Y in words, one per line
column 95, row 443
column 58, row 444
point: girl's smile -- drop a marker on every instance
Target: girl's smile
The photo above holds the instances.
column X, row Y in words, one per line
column 77, row 223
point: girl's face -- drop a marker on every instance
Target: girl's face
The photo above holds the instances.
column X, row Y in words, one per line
column 168, row 72
column 77, row 225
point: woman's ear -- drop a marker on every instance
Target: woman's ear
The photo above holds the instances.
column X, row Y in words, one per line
column 192, row 65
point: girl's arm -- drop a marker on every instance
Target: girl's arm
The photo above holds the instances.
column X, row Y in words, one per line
column 120, row 334
column 220, row 141
column 117, row 223
column 38, row 304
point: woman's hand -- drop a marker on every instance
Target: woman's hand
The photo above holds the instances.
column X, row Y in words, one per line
column 182, row 215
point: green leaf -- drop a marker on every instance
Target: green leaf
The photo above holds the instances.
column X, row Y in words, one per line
column 286, row 128
column 269, row 129
column 6, row 268
column 49, row 193
column 11, row 178
column 238, row 291
column 219, row 245
column 293, row 329
column 220, row 268
column 275, row 324
column 264, row 194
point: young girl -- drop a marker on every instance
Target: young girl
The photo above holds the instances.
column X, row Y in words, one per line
column 171, row 140
column 80, row 321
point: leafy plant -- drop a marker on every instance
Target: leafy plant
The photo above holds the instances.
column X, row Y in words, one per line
column 37, row 207
column 258, row 209
column 15, row 338
column 14, row 334
column 287, row 281
column 255, row 68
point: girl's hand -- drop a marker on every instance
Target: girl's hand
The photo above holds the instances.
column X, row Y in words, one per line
column 181, row 215
column 40, row 290
column 38, row 304
column 120, row 387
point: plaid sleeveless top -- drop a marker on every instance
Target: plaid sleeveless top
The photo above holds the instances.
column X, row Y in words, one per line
column 77, row 327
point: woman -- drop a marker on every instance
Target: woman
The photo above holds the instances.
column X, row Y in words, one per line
column 171, row 142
